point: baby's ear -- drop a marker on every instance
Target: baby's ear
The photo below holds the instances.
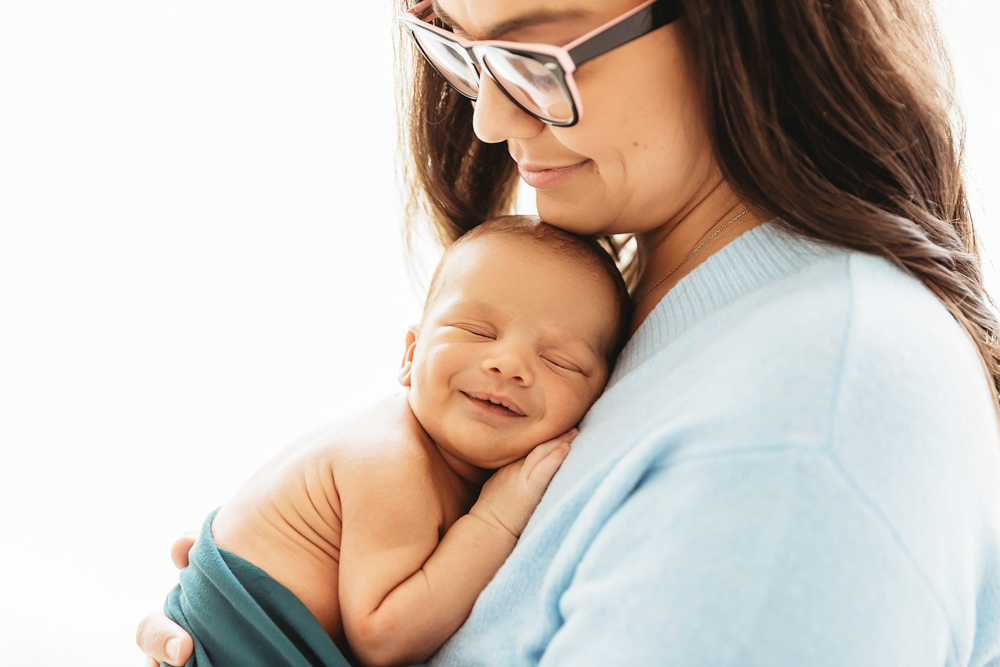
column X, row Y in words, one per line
column 407, row 365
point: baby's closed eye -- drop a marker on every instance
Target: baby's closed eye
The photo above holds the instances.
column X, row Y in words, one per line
column 476, row 330
column 561, row 362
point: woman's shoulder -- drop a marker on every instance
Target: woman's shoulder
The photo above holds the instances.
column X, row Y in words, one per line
column 898, row 375
column 836, row 343
column 802, row 308
column 851, row 366
column 860, row 311
column 867, row 361
column 810, row 339
column 894, row 339
column 790, row 324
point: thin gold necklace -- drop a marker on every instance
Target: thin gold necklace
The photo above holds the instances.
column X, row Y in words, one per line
column 671, row 272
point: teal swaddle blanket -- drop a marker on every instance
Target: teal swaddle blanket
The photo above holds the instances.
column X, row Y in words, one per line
column 238, row 615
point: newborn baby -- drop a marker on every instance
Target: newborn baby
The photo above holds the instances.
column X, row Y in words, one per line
column 388, row 546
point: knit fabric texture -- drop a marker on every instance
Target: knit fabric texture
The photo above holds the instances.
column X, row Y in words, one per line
column 795, row 462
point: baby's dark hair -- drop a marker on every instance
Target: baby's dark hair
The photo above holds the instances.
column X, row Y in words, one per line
column 582, row 248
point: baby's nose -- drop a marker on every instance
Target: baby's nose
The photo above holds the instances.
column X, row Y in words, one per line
column 511, row 364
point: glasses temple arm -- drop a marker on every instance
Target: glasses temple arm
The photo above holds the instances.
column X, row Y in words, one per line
column 642, row 22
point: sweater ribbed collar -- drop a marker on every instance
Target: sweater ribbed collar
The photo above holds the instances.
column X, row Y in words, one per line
column 757, row 257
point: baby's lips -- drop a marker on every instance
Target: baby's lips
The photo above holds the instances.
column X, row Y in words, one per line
column 497, row 399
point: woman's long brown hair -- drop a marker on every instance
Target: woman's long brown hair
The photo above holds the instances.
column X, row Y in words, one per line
column 835, row 117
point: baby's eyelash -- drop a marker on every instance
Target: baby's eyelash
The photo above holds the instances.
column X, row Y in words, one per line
column 565, row 365
column 475, row 331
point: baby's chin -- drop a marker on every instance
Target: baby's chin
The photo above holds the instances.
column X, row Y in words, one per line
column 487, row 462
column 491, row 456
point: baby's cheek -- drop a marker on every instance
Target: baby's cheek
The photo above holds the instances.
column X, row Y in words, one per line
column 574, row 404
column 554, row 425
column 426, row 405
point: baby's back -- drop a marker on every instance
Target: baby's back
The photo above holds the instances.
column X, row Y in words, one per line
column 287, row 521
column 288, row 518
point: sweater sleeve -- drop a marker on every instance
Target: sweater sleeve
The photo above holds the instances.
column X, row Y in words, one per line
column 757, row 558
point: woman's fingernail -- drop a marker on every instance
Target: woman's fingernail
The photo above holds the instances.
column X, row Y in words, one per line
column 173, row 649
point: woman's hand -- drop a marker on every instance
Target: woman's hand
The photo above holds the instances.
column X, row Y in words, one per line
column 161, row 639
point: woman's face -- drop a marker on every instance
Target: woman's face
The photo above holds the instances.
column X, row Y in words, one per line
column 640, row 156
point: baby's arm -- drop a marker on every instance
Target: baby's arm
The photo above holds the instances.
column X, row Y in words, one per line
column 402, row 594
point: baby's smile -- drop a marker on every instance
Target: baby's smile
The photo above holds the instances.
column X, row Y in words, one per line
column 496, row 405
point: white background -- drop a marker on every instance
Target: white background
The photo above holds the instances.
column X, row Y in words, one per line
column 200, row 259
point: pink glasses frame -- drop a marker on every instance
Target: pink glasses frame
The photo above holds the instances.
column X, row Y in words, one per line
column 646, row 17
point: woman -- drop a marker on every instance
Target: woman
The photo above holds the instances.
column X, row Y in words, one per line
column 797, row 458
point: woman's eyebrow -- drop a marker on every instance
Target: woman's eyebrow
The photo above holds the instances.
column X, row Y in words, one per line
column 537, row 17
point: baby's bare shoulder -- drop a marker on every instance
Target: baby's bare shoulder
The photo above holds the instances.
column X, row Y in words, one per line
column 375, row 446
column 378, row 457
column 386, row 450
column 387, row 427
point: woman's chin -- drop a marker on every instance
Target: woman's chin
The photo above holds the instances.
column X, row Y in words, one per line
column 577, row 212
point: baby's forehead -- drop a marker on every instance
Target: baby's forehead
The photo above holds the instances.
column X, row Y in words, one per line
column 498, row 274
column 489, row 262
column 505, row 246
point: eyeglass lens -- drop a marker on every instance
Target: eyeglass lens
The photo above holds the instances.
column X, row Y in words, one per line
column 526, row 80
column 531, row 84
column 451, row 62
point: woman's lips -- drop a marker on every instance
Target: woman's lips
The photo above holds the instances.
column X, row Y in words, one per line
column 541, row 178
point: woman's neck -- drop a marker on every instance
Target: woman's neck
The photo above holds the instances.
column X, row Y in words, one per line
column 664, row 248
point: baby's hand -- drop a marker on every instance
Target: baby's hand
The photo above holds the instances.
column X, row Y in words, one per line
column 510, row 496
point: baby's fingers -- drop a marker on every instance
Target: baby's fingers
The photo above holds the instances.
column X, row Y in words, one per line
column 542, row 471
column 546, row 448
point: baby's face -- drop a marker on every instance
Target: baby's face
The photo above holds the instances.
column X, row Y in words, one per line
column 512, row 351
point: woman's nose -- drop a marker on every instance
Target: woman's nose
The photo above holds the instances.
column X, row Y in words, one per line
column 498, row 119
column 510, row 363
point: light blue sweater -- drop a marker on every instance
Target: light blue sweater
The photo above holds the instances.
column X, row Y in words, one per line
column 796, row 462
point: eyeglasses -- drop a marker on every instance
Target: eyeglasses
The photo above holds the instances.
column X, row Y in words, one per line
column 538, row 78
